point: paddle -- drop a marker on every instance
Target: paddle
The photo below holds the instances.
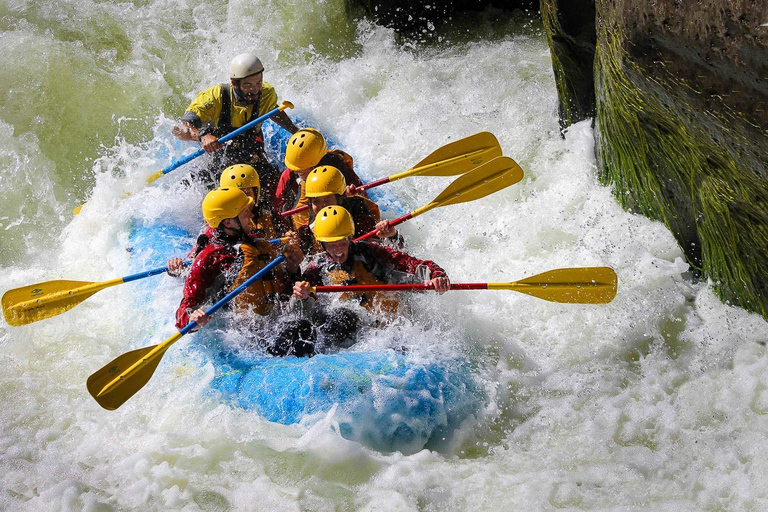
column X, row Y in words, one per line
column 119, row 380
column 247, row 126
column 39, row 301
column 481, row 181
column 455, row 158
column 586, row 285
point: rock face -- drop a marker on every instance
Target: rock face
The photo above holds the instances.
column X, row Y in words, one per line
column 570, row 27
column 681, row 101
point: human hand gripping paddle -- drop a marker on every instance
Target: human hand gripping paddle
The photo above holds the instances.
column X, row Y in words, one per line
column 452, row 159
column 120, row 379
column 586, row 285
column 247, row 126
column 39, row 301
column 490, row 177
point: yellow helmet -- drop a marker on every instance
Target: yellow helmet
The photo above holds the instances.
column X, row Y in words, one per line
column 333, row 223
column 305, row 149
column 224, row 203
column 240, row 176
column 324, row 181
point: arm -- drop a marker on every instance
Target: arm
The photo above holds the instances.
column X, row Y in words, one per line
column 269, row 102
column 283, row 192
column 312, row 276
column 403, row 262
column 205, row 269
column 202, row 113
column 186, row 131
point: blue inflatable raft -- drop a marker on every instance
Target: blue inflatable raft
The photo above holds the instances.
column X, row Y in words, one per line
column 387, row 400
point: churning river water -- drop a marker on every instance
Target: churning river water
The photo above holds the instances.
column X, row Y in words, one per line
column 657, row 401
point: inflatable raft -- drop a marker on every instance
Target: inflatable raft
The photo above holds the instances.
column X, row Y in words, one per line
column 388, row 400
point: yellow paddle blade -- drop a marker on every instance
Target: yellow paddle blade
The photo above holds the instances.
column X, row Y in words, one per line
column 586, row 285
column 35, row 302
column 120, row 379
column 490, row 177
column 78, row 209
column 457, row 157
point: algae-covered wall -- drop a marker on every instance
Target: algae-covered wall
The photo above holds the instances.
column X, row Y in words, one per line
column 682, row 117
column 679, row 94
column 570, row 29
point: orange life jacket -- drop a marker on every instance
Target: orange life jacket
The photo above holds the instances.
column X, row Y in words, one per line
column 261, row 295
column 375, row 302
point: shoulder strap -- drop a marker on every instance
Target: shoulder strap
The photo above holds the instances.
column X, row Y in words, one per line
column 225, row 118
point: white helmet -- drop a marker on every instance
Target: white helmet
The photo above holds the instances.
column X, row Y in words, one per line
column 245, row 65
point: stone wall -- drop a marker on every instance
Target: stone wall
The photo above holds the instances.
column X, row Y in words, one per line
column 681, row 99
column 678, row 90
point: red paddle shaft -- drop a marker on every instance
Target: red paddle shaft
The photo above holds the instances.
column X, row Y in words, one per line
column 361, row 187
column 397, row 287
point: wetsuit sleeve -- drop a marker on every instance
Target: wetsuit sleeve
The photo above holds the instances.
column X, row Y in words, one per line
column 268, row 99
column 205, row 108
column 313, row 274
column 306, row 239
column 208, row 265
column 402, row 262
column 365, row 219
column 343, row 162
column 284, row 192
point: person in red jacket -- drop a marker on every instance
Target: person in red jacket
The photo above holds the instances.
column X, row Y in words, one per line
column 307, row 149
column 326, row 186
column 346, row 262
column 231, row 256
column 266, row 222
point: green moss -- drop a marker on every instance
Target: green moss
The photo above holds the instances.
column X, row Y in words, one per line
column 698, row 171
column 571, row 60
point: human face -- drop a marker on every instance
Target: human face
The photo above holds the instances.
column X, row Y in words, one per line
column 250, row 192
column 303, row 173
column 245, row 217
column 250, row 87
column 338, row 251
column 318, row 203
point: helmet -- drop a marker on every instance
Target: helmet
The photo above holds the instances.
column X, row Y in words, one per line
column 324, row 181
column 245, row 65
column 240, row 176
column 305, row 149
column 333, row 223
column 224, row 203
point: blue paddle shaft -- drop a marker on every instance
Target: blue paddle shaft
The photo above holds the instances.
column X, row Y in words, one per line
column 237, row 291
column 160, row 270
column 247, row 126
column 148, row 273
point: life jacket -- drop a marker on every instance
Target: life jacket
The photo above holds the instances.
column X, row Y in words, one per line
column 375, row 302
column 344, row 163
column 365, row 213
column 261, row 295
column 243, row 147
column 301, row 218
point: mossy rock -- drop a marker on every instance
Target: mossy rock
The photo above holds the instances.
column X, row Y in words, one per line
column 682, row 118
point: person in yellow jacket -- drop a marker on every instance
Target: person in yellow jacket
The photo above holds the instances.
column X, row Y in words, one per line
column 222, row 108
